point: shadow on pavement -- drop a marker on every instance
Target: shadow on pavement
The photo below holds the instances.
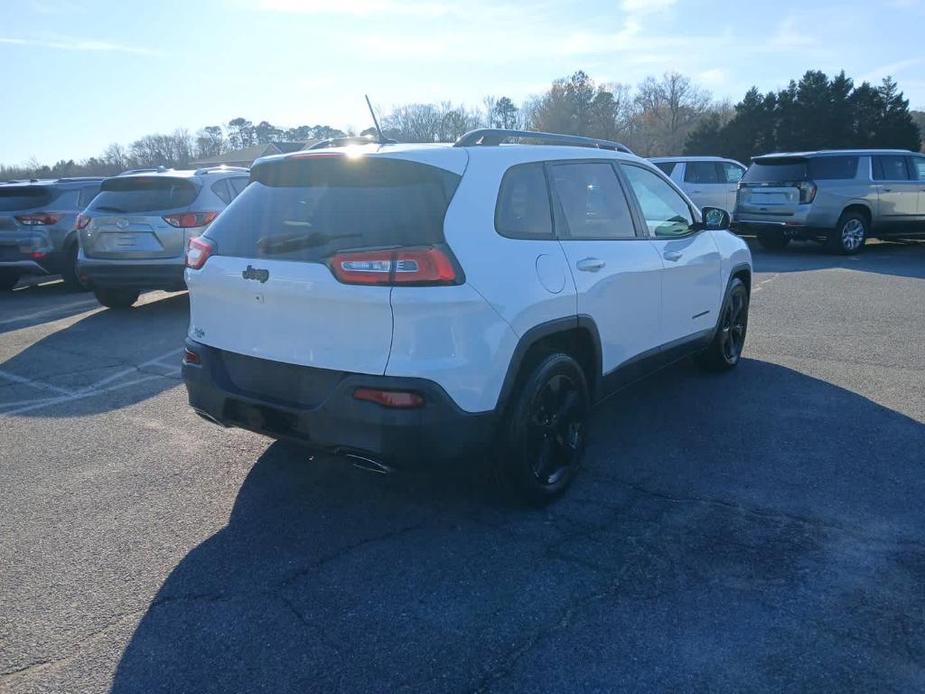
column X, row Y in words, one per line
column 754, row 531
column 37, row 303
column 104, row 352
column 902, row 259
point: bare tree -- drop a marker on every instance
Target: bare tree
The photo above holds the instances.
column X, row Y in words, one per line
column 210, row 141
column 668, row 109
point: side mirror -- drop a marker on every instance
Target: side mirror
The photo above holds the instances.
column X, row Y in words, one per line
column 715, row 218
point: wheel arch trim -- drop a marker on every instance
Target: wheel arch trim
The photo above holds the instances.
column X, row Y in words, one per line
column 545, row 330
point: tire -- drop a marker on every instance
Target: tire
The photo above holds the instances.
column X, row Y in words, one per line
column 771, row 241
column 725, row 349
column 543, row 436
column 849, row 235
column 8, row 280
column 116, row 298
column 69, row 272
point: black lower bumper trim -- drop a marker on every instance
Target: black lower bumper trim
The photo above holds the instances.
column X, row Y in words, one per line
column 167, row 277
column 336, row 422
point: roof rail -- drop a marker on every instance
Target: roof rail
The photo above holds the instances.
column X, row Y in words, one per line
column 152, row 169
column 495, row 136
column 219, row 168
column 349, row 140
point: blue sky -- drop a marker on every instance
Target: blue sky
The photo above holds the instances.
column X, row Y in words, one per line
column 80, row 74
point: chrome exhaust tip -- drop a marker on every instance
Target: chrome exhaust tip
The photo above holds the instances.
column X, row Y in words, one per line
column 209, row 418
column 368, row 464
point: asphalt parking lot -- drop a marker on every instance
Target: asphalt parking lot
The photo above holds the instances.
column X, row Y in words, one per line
column 755, row 531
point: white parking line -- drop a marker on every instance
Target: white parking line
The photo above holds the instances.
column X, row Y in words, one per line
column 85, row 392
column 29, row 316
column 77, row 396
column 35, row 384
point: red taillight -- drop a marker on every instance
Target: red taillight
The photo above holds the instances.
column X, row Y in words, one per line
column 190, row 357
column 82, row 221
column 187, row 220
column 198, row 252
column 807, row 192
column 39, row 219
column 398, row 399
column 421, row 266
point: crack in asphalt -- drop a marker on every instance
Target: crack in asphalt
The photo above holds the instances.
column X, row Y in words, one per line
column 26, row 671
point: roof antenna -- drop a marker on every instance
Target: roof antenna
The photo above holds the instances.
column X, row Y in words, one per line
column 382, row 139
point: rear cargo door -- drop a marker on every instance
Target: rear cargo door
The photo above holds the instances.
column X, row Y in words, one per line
column 127, row 218
column 268, row 290
column 770, row 188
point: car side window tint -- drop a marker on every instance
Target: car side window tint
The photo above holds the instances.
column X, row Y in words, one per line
column 890, row 168
column 522, row 210
column 592, row 202
column 238, row 184
column 666, row 166
column 221, row 189
column 701, row 172
column 918, row 168
column 665, row 211
column 731, row 173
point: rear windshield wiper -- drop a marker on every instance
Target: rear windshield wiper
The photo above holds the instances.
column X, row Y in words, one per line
column 107, row 208
column 295, row 242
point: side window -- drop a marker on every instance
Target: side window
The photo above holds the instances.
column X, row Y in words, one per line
column 701, row 172
column 918, row 168
column 890, row 168
column 666, row 166
column 221, row 189
column 522, row 210
column 731, row 172
column 592, row 202
column 665, row 211
column 238, row 184
column 85, row 196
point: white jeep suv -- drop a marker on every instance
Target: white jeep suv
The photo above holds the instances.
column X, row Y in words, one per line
column 415, row 303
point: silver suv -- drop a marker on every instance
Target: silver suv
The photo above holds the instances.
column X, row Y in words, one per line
column 133, row 237
column 708, row 181
column 837, row 197
column 38, row 227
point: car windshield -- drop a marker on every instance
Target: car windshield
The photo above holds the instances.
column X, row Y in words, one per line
column 144, row 194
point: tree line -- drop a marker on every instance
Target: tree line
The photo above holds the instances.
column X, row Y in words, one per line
column 817, row 112
column 664, row 115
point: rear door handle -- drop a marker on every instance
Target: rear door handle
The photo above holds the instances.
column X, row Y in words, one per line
column 673, row 256
column 590, row 264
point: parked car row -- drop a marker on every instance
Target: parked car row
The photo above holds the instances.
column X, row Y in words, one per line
column 117, row 236
column 839, row 198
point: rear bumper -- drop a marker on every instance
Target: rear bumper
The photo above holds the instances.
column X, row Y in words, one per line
column 787, row 229
column 14, row 258
column 132, row 275
column 438, row 432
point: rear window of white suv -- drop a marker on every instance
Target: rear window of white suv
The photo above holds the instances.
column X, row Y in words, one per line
column 308, row 209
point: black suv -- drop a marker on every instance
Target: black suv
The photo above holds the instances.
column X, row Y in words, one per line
column 38, row 227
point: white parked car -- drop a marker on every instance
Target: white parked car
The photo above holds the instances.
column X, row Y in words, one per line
column 708, row 181
column 413, row 303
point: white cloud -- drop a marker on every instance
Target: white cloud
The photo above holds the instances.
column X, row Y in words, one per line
column 81, row 45
column 891, row 69
column 357, row 7
column 646, row 6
